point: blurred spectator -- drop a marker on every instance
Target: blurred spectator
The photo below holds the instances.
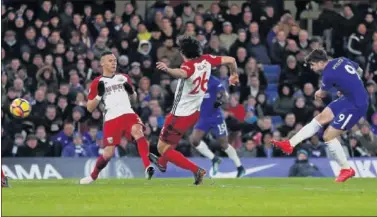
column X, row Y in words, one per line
column 170, row 52
column 89, row 137
column 284, row 104
column 227, row 38
column 77, row 148
column 289, row 124
column 302, row 111
column 64, row 137
column 356, row 149
column 374, row 123
column 302, row 167
column 96, row 145
column 371, row 63
column 33, row 148
column 249, row 149
column 236, row 109
column 291, row 73
column 214, row 47
column 240, row 42
column 315, row 147
column 262, row 107
column 266, row 149
column 125, row 148
column 368, row 140
column 44, row 141
column 278, row 47
column 258, row 50
column 357, row 44
column 372, row 92
column 251, row 89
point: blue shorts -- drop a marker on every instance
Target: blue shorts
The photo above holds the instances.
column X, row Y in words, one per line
column 346, row 114
column 216, row 126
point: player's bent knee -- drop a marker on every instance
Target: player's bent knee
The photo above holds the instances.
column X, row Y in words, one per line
column 324, row 117
column 137, row 131
column 162, row 147
column 108, row 152
column 331, row 133
column 328, row 137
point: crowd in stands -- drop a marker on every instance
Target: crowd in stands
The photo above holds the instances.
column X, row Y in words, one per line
column 50, row 54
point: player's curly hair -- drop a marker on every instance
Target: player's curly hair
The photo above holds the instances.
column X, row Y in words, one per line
column 190, row 47
column 316, row 56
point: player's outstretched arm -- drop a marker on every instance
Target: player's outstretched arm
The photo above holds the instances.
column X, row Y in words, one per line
column 176, row 73
column 96, row 92
column 231, row 62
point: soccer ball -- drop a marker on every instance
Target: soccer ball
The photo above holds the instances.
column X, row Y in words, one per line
column 20, row 108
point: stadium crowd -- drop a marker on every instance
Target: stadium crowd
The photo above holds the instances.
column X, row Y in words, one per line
column 50, row 54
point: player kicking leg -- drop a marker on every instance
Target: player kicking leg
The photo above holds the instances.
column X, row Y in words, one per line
column 173, row 130
column 343, row 112
column 114, row 91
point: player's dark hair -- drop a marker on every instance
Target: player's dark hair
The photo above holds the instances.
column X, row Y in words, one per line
column 105, row 53
column 190, row 47
column 316, row 56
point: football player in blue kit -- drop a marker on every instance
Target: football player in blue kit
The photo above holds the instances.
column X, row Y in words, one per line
column 343, row 113
column 212, row 121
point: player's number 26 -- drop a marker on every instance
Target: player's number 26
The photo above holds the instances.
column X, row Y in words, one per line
column 200, row 82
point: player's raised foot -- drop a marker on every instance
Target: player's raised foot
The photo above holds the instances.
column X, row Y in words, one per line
column 285, row 146
column 240, row 171
column 4, row 182
column 154, row 159
column 86, row 181
column 199, row 175
column 149, row 172
column 345, row 174
column 216, row 161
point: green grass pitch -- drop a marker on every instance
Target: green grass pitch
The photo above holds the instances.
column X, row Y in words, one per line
column 168, row 197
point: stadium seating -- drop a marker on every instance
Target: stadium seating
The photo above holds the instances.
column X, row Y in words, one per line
column 272, row 74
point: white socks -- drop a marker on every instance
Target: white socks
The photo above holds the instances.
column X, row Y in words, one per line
column 204, row 150
column 337, row 152
column 307, row 131
column 230, row 151
column 232, row 154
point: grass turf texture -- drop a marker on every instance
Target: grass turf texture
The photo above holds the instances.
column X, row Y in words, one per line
column 248, row 196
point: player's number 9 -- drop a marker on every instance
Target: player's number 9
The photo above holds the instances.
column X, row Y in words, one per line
column 350, row 69
column 341, row 117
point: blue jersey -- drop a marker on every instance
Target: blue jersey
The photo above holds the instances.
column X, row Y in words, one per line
column 341, row 73
column 207, row 110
